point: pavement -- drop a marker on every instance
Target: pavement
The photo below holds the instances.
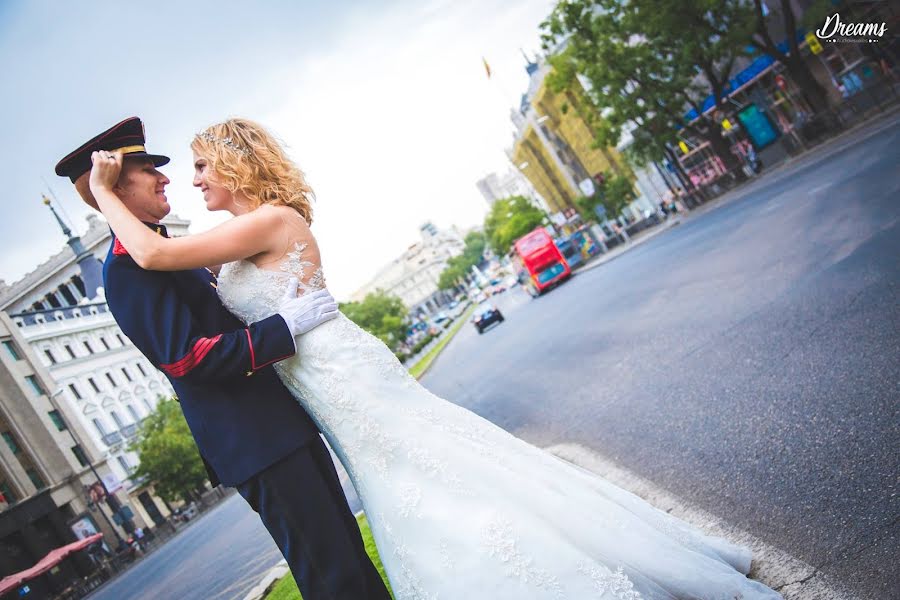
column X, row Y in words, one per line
column 816, row 502
column 744, row 361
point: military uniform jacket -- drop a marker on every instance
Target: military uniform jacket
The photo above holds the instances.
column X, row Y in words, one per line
column 241, row 416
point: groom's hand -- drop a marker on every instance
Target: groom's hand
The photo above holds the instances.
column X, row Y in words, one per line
column 308, row 311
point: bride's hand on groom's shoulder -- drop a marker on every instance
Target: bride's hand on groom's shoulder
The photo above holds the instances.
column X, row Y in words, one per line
column 308, row 311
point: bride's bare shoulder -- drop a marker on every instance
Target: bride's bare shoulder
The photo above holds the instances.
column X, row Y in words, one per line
column 286, row 214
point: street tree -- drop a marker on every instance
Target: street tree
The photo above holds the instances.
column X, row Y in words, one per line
column 168, row 454
column 647, row 64
column 782, row 19
column 613, row 192
column 380, row 314
column 458, row 266
column 509, row 219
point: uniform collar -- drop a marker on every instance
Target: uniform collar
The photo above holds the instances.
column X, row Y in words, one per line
column 158, row 228
column 119, row 249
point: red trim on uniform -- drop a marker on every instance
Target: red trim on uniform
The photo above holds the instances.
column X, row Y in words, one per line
column 253, row 365
column 275, row 360
column 119, row 249
column 193, row 358
column 252, row 354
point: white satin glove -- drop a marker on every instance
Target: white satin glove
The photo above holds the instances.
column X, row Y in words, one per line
column 307, row 311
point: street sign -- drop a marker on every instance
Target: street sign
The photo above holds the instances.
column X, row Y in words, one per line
column 813, row 42
column 587, row 187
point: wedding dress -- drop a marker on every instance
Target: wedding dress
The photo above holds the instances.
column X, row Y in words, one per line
column 459, row 508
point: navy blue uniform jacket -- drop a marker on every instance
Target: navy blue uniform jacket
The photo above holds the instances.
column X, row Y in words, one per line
column 241, row 415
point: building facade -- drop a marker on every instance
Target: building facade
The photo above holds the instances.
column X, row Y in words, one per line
column 48, row 464
column 61, row 315
column 413, row 276
column 553, row 144
column 495, row 187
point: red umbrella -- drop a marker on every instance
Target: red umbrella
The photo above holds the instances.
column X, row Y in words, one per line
column 53, row 558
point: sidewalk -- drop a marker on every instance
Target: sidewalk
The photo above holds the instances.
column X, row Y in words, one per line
column 784, row 169
column 634, row 241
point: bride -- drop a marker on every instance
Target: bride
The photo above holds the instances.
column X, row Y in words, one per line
column 458, row 507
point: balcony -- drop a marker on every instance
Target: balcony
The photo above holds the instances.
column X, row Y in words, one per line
column 111, row 439
column 129, row 431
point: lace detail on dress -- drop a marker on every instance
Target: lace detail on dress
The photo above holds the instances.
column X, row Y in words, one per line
column 614, row 583
column 446, row 490
column 295, row 266
column 498, row 541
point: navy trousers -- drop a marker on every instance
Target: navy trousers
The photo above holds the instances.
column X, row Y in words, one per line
column 301, row 503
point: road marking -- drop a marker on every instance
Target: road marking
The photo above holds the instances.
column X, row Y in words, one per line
column 792, row 577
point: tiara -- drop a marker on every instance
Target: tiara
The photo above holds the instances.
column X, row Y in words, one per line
column 209, row 137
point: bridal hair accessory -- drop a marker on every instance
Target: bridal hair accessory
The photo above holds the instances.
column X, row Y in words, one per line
column 209, row 137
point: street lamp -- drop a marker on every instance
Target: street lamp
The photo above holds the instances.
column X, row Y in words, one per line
column 111, row 500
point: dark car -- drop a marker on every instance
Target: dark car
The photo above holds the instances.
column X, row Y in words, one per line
column 486, row 315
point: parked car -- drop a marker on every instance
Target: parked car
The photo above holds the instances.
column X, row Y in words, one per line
column 486, row 315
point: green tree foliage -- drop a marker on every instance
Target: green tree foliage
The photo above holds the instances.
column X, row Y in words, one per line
column 648, row 63
column 510, row 219
column 381, row 315
column 458, row 266
column 614, row 194
column 169, row 457
column 782, row 20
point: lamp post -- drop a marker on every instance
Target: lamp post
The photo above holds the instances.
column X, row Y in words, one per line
column 111, row 500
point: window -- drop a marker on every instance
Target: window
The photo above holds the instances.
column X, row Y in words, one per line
column 88, row 347
column 11, row 348
column 50, row 357
column 101, row 428
column 126, row 374
column 141, row 369
column 104, row 342
column 120, row 338
column 74, row 391
column 11, row 442
column 57, row 420
column 78, row 451
column 147, row 404
column 124, row 464
column 35, row 385
column 119, row 423
column 70, row 351
column 133, row 413
column 94, row 384
column 35, row 478
column 111, row 380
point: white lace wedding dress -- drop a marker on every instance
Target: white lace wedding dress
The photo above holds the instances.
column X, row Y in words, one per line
column 459, row 508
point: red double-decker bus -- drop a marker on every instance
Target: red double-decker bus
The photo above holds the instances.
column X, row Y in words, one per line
column 541, row 264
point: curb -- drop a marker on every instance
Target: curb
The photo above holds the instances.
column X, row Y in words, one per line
column 635, row 241
column 268, row 581
column 464, row 317
column 786, row 574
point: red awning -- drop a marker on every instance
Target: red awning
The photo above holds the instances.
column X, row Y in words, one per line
column 53, row 558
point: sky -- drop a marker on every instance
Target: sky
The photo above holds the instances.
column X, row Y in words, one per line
column 385, row 105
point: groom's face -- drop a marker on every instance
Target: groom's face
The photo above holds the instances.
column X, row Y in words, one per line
column 143, row 190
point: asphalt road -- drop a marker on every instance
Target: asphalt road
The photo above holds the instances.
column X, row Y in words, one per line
column 747, row 360
column 221, row 556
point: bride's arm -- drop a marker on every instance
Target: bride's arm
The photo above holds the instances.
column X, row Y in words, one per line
column 241, row 237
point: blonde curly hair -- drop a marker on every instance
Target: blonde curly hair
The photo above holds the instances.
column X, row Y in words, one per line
column 244, row 157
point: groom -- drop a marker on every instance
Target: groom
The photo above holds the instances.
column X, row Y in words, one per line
column 251, row 433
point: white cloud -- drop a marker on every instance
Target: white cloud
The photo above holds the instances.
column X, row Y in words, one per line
column 393, row 120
